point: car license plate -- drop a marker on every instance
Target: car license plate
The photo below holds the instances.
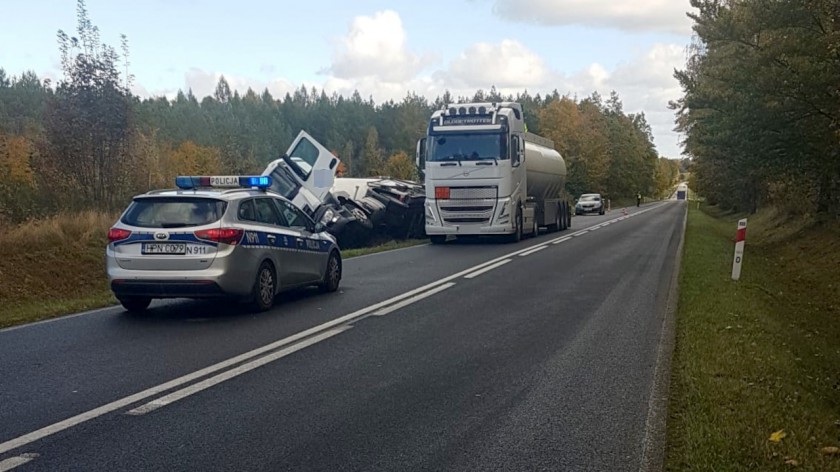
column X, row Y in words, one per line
column 164, row 248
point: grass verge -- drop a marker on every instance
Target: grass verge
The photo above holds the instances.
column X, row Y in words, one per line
column 56, row 266
column 757, row 356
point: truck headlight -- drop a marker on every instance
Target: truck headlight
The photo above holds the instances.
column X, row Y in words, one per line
column 504, row 212
column 328, row 217
column 430, row 215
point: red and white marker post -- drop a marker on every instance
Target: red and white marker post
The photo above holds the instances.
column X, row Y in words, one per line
column 740, row 238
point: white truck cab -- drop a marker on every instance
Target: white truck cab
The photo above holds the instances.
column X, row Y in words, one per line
column 486, row 175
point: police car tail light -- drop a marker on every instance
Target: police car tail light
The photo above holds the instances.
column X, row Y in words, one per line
column 118, row 234
column 230, row 236
column 188, row 182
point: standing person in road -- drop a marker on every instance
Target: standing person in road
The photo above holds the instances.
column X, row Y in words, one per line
column 638, row 199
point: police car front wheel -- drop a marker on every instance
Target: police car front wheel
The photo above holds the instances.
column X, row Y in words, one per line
column 333, row 275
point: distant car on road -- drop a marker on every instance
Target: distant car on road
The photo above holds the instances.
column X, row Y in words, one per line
column 221, row 236
column 590, row 203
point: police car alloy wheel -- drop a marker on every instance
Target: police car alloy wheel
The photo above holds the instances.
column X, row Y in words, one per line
column 264, row 288
column 332, row 277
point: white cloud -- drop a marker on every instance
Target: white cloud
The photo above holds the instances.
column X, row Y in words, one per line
column 507, row 64
column 636, row 15
column 376, row 47
column 647, row 84
column 644, row 83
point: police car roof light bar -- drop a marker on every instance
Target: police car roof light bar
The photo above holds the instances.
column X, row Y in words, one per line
column 188, row 182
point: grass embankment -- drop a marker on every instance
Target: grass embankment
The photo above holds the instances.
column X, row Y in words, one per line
column 56, row 266
column 53, row 267
column 760, row 355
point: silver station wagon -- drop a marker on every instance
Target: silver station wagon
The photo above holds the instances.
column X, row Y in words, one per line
column 218, row 236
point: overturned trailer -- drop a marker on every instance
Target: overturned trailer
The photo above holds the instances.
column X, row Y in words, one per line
column 358, row 212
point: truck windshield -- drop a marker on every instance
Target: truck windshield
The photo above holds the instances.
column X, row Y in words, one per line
column 283, row 183
column 467, row 147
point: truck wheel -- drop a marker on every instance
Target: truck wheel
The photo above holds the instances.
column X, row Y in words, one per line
column 438, row 239
column 568, row 219
column 535, row 231
column 558, row 217
column 562, row 217
column 517, row 232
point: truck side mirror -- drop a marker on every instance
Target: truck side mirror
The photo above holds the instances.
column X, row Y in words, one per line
column 420, row 156
column 515, row 158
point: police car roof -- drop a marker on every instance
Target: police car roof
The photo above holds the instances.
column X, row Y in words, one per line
column 223, row 193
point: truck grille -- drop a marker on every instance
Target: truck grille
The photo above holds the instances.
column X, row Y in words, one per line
column 469, row 205
column 461, row 193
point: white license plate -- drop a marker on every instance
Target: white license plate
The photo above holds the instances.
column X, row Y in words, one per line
column 164, row 248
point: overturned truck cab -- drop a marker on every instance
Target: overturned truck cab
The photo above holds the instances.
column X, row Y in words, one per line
column 358, row 212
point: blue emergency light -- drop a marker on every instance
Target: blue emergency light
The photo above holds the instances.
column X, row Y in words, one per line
column 188, row 182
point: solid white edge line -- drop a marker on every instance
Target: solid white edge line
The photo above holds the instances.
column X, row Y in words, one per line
column 536, row 249
column 229, row 374
column 60, row 318
column 405, row 303
column 487, row 269
column 16, row 461
column 653, row 441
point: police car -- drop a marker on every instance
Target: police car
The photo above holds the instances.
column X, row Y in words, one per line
column 218, row 236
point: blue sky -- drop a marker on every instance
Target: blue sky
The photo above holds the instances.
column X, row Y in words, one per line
column 383, row 49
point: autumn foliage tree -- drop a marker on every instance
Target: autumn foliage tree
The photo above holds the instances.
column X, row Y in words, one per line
column 761, row 105
column 88, row 126
column 400, row 166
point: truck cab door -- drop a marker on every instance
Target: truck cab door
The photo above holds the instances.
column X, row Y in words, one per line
column 313, row 164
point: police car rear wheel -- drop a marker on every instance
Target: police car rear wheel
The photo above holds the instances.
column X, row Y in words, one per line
column 135, row 304
column 332, row 278
column 264, row 288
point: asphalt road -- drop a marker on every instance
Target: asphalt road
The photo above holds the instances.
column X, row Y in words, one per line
column 469, row 356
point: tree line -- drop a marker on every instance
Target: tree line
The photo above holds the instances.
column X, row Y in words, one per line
column 761, row 108
column 88, row 142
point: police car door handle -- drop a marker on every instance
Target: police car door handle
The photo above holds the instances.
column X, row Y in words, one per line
column 271, row 238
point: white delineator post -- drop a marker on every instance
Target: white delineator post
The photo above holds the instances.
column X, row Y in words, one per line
column 740, row 237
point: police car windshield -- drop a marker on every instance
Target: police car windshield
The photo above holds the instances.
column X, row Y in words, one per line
column 589, row 198
column 173, row 212
column 467, row 147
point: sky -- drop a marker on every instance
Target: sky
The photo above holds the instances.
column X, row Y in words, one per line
column 383, row 49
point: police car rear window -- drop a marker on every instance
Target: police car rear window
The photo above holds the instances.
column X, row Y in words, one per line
column 173, row 212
